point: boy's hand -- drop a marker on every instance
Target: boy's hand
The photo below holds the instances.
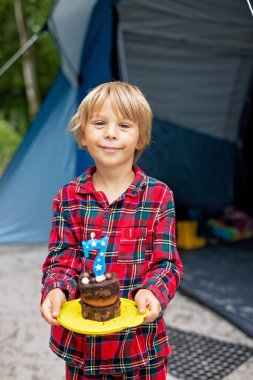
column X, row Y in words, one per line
column 51, row 306
column 145, row 299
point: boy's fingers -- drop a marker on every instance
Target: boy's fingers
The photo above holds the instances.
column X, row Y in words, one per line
column 51, row 306
column 141, row 304
column 146, row 300
column 153, row 314
column 50, row 318
column 46, row 313
column 56, row 306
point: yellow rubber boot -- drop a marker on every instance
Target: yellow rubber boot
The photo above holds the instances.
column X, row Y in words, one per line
column 187, row 237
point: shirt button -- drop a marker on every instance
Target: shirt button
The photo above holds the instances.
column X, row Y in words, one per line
column 109, row 211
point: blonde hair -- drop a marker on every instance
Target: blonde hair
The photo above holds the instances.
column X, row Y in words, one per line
column 127, row 99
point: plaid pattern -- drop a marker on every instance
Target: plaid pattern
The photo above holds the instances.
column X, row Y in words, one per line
column 141, row 249
column 155, row 370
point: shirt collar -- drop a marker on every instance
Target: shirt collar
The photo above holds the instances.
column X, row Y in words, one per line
column 138, row 183
column 84, row 183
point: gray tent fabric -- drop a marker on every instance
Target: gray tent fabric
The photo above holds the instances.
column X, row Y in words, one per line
column 70, row 40
column 192, row 59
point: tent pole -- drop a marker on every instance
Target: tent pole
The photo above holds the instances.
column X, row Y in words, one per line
column 18, row 54
column 250, row 7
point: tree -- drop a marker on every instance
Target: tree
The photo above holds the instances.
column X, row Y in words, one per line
column 14, row 105
column 9, row 140
column 14, row 111
column 28, row 63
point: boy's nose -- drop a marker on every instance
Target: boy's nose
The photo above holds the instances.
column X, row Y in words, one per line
column 111, row 132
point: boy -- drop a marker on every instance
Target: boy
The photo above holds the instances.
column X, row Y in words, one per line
column 115, row 199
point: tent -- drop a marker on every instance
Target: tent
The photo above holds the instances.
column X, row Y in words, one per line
column 193, row 61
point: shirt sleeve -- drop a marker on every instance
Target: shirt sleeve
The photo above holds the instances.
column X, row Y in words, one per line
column 165, row 267
column 63, row 263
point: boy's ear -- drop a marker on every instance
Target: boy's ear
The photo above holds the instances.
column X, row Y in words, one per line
column 139, row 145
column 83, row 140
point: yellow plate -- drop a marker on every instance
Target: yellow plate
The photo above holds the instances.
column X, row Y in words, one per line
column 71, row 318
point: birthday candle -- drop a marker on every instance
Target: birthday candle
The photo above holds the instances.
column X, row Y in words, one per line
column 99, row 262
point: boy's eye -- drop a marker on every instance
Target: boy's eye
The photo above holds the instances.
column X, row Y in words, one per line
column 124, row 126
column 98, row 123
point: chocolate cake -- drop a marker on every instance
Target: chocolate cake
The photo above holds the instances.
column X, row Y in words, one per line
column 99, row 300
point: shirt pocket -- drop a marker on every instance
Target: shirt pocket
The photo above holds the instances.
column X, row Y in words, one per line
column 134, row 245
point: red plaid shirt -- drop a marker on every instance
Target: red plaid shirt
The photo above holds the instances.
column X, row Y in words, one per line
column 141, row 249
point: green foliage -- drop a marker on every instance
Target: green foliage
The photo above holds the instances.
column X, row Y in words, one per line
column 13, row 105
column 9, row 141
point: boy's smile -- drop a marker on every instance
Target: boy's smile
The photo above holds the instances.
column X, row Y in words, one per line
column 110, row 138
column 109, row 149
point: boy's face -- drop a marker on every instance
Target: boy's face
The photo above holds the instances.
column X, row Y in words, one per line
column 110, row 138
